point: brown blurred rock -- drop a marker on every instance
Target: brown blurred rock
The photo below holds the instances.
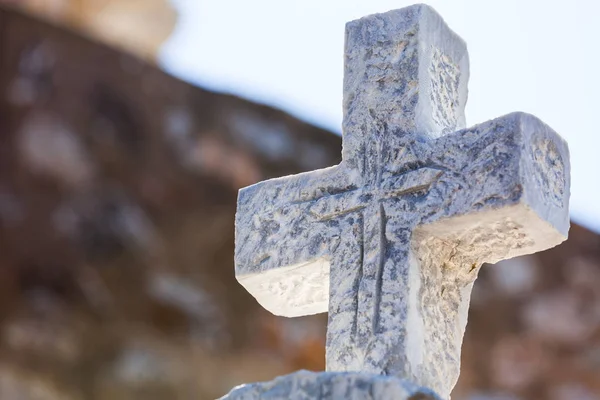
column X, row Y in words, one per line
column 117, row 195
column 118, row 186
column 137, row 26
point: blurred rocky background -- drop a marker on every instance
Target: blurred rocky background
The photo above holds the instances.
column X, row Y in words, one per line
column 137, row 26
column 117, row 196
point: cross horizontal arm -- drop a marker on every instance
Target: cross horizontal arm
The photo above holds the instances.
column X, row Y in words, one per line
column 509, row 181
column 517, row 163
column 282, row 252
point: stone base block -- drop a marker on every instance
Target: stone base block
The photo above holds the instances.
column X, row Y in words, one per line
column 304, row 385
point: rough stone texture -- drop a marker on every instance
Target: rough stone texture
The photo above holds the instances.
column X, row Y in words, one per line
column 305, row 385
column 393, row 237
column 91, row 316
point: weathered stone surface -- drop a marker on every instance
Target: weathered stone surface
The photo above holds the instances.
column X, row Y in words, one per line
column 391, row 239
column 305, row 385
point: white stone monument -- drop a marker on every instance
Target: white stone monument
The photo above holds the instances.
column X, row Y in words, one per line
column 390, row 241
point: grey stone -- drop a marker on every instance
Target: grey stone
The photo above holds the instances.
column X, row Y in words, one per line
column 390, row 240
column 304, row 385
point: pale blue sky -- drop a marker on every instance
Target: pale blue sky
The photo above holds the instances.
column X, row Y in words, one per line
column 537, row 56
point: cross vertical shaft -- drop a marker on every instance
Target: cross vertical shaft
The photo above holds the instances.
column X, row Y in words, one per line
column 405, row 79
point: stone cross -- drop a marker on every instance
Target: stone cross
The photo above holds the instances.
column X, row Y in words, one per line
column 390, row 240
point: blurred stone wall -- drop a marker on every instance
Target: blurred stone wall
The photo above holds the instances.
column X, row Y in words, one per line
column 118, row 186
column 117, row 196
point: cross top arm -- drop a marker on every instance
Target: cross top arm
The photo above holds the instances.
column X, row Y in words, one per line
column 406, row 71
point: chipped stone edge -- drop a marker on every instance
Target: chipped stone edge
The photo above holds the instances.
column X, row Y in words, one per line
column 332, row 385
